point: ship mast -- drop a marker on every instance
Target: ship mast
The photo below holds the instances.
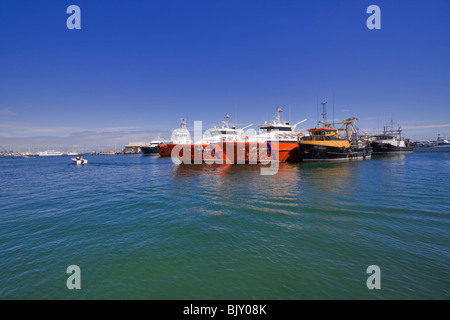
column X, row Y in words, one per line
column 277, row 115
column 324, row 112
column 227, row 119
column 183, row 123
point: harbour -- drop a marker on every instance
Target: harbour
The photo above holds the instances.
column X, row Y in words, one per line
column 143, row 227
column 277, row 141
column 170, row 215
column 229, row 157
column 280, row 142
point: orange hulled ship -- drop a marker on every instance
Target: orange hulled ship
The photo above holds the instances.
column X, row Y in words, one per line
column 281, row 138
column 276, row 141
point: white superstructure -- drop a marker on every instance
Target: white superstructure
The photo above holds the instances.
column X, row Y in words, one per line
column 224, row 133
column 181, row 135
column 442, row 144
column 278, row 130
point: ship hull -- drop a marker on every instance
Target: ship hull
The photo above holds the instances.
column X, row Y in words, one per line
column 311, row 152
column 149, row 151
column 386, row 148
column 233, row 152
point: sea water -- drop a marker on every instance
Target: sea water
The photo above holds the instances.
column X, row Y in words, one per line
column 144, row 228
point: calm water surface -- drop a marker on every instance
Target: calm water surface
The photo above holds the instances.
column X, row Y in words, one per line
column 144, row 228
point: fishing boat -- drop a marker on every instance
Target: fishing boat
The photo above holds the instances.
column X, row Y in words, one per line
column 79, row 160
column 390, row 142
column 441, row 144
column 334, row 142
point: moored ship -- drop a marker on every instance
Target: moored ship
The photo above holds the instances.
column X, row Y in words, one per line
column 440, row 145
column 180, row 136
column 276, row 141
column 152, row 148
column 390, row 142
column 281, row 138
column 325, row 143
column 220, row 145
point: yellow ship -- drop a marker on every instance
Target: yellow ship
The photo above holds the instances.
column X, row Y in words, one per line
column 325, row 143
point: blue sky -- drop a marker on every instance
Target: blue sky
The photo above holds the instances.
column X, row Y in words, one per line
column 136, row 67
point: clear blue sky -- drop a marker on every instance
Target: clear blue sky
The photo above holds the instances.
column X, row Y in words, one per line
column 142, row 65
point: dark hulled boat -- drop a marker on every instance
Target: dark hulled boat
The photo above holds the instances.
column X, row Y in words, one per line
column 327, row 144
column 152, row 148
column 390, row 142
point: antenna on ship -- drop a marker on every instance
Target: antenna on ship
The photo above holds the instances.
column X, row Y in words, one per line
column 333, row 109
column 324, row 114
column 289, row 113
column 317, row 109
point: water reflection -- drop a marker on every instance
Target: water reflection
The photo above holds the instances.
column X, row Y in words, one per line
column 290, row 180
column 329, row 177
column 215, row 175
column 389, row 156
column 238, row 185
column 292, row 191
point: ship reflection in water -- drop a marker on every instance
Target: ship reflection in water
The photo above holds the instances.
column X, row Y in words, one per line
column 241, row 187
column 293, row 190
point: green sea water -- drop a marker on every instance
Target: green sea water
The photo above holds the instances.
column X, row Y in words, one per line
column 144, row 228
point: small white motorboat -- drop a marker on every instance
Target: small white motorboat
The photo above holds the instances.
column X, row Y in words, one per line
column 79, row 160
